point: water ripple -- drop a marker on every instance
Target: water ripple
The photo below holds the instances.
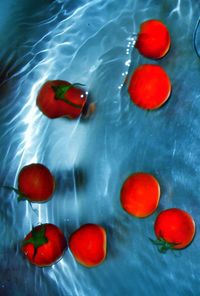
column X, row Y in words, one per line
column 92, row 42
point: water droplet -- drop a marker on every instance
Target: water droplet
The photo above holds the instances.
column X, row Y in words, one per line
column 128, row 62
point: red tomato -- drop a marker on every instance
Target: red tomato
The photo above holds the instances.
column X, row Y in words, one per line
column 44, row 245
column 88, row 244
column 58, row 98
column 153, row 39
column 174, row 228
column 149, row 87
column 140, row 195
column 35, row 183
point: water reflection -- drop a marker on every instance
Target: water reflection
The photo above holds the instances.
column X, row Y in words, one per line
column 91, row 43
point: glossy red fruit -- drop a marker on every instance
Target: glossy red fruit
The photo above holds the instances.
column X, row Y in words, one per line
column 153, row 39
column 35, row 183
column 58, row 98
column 149, row 87
column 140, row 195
column 44, row 245
column 88, row 244
column 174, row 229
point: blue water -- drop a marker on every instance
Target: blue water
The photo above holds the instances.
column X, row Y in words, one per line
column 91, row 42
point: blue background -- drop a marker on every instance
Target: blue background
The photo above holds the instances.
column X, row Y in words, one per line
column 91, row 42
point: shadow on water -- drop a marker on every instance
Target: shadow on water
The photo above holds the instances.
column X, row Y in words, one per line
column 117, row 234
column 67, row 179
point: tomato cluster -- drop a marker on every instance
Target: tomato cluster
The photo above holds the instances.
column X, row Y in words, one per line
column 149, row 88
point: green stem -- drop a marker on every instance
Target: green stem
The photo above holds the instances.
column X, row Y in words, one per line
column 20, row 197
column 162, row 245
column 38, row 238
column 60, row 92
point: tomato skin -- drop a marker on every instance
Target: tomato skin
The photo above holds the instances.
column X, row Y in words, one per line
column 140, row 194
column 149, row 87
column 54, row 108
column 153, row 39
column 175, row 226
column 36, row 182
column 88, row 244
column 48, row 253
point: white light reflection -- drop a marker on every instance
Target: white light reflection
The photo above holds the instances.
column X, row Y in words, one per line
column 62, row 267
column 29, row 118
column 129, row 47
column 177, row 9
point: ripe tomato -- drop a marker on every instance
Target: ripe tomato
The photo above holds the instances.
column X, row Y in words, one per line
column 35, row 183
column 88, row 244
column 174, row 228
column 44, row 245
column 140, row 195
column 149, row 87
column 58, row 98
column 153, row 39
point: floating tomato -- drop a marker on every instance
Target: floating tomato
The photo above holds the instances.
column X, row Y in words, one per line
column 149, row 87
column 58, row 98
column 140, row 194
column 153, row 40
column 35, row 183
column 44, row 245
column 88, row 244
column 174, row 228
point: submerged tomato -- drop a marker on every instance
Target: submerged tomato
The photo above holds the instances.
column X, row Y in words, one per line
column 140, row 195
column 174, row 228
column 35, row 183
column 88, row 244
column 44, row 245
column 149, row 87
column 58, row 98
column 153, row 39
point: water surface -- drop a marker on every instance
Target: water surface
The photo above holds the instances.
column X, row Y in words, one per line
column 91, row 42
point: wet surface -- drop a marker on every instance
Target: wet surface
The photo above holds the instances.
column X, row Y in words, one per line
column 91, row 42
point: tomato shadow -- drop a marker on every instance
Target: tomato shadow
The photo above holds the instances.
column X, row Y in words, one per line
column 89, row 109
column 6, row 72
column 68, row 180
column 117, row 233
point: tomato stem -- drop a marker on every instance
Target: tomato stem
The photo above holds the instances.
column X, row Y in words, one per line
column 162, row 245
column 20, row 197
column 38, row 238
column 60, row 92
